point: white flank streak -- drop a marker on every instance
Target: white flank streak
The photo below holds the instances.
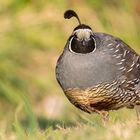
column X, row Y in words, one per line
column 118, row 56
column 117, row 50
column 137, row 65
column 109, row 44
column 124, row 53
column 119, row 63
column 129, row 70
column 133, row 64
column 123, row 60
column 121, row 68
column 117, row 45
column 111, row 49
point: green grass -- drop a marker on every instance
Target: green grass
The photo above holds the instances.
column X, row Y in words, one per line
column 32, row 36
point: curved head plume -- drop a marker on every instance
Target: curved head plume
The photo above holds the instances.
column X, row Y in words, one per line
column 70, row 13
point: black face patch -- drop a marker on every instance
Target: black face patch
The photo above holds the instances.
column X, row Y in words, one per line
column 82, row 46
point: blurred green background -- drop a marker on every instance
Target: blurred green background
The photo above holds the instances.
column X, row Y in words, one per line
column 32, row 36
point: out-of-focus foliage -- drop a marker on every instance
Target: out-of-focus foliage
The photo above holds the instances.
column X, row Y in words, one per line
column 32, row 36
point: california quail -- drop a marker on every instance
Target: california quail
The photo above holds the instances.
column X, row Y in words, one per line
column 98, row 72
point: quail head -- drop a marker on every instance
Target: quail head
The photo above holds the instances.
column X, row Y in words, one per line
column 98, row 72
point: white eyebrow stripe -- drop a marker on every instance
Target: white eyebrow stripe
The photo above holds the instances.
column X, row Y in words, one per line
column 79, row 30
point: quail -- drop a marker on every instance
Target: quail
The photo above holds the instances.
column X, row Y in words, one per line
column 98, row 72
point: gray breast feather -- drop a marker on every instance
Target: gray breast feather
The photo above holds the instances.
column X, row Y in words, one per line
column 112, row 60
column 82, row 71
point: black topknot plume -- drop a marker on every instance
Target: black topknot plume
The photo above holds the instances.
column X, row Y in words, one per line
column 70, row 13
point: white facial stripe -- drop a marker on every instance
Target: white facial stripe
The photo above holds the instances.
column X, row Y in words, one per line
column 70, row 46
